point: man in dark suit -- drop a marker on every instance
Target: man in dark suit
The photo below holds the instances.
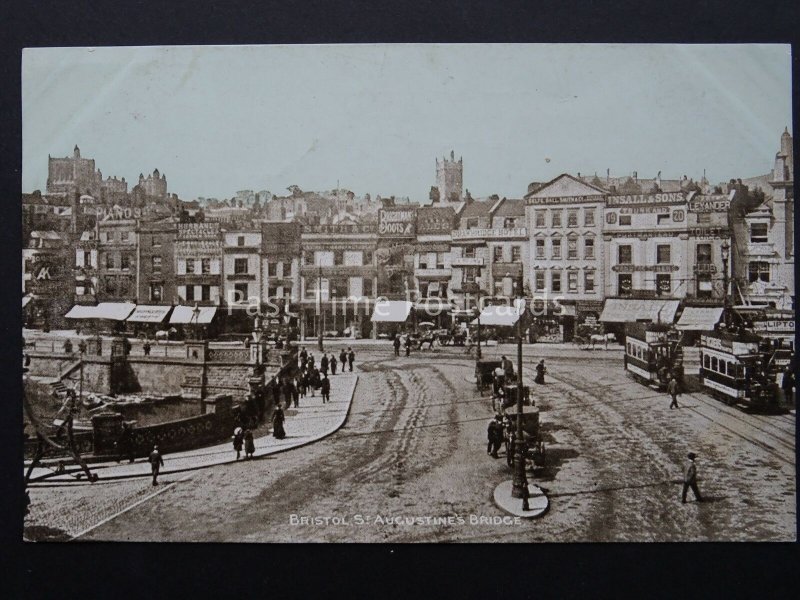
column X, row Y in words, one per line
column 156, row 462
column 690, row 478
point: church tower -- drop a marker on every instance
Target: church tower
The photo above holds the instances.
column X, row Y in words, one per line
column 450, row 179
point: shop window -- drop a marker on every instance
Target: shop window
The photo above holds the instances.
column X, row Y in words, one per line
column 156, row 264
column 588, row 248
column 497, row 254
column 555, row 281
column 239, row 292
column 588, row 217
column 624, row 219
column 572, row 281
column 758, row 233
column 663, row 254
column 556, row 248
column 588, row 281
column 540, row 218
column 572, row 248
column 758, row 271
column 556, row 218
column 572, row 218
column 539, row 279
column 539, row 248
column 624, row 284
column 663, row 284
column 516, row 254
column 625, row 255
column 205, row 265
column 704, row 253
column 239, row 266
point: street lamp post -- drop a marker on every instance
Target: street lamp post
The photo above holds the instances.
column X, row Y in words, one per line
column 319, row 310
column 520, row 483
column 725, row 254
column 479, row 355
column 196, row 317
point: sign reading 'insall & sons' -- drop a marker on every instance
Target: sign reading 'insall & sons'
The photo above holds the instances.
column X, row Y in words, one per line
column 633, row 199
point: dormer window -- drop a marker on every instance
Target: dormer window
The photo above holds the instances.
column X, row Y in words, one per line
column 758, row 233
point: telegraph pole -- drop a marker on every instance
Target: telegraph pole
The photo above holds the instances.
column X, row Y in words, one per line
column 520, row 482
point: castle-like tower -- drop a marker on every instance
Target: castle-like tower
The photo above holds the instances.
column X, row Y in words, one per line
column 154, row 185
column 450, row 178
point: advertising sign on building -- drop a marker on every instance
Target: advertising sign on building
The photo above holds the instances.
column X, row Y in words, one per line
column 635, row 268
column 706, row 204
column 435, row 220
column 393, row 222
column 198, row 231
column 644, row 199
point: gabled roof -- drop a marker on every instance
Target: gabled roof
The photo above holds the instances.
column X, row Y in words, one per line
column 510, row 207
column 566, row 185
column 477, row 208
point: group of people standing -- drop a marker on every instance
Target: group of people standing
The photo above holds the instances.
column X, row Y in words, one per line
column 404, row 341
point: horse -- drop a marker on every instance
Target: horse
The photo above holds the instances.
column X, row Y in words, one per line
column 165, row 334
column 601, row 338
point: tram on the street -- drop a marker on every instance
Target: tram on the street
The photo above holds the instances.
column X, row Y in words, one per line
column 652, row 352
column 743, row 365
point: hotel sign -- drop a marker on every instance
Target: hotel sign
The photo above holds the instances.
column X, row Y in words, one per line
column 565, row 200
column 466, row 262
column 468, row 234
column 644, row 199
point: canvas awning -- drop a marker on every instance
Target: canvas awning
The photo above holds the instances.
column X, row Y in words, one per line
column 114, row 311
column 630, row 310
column 149, row 314
column 185, row 315
column 391, row 311
column 25, row 300
column 434, row 305
column 80, row 311
column 502, row 316
column 696, row 318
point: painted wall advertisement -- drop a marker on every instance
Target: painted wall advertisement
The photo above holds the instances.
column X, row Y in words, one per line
column 395, row 222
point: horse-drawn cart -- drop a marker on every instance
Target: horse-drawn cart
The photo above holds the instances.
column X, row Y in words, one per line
column 533, row 450
column 484, row 373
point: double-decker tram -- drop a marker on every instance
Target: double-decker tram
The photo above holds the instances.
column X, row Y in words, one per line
column 740, row 366
column 652, row 353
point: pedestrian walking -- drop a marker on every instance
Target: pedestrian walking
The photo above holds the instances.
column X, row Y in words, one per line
column 351, row 356
column 156, row 462
column 494, row 435
column 295, row 394
column 333, row 364
column 124, row 443
column 672, row 389
column 302, row 379
column 278, row 419
column 238, row 441
column 303, row 355
column 690, row 478
column 396, row 344
column 249, row 443
column 342, row 358
column 146, row 347
column 323, row 364
column 325, row 386
column 540, row 371
column 310, row 361
column 408, row 345
column 787, row 385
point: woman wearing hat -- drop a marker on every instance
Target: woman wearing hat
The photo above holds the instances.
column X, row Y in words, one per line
column 238, row 440
column 249, row 444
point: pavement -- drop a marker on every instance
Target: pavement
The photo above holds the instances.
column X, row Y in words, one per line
column 537, row 501
column 311, row 422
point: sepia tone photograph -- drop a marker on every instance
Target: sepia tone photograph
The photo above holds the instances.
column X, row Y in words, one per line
column 403, row 293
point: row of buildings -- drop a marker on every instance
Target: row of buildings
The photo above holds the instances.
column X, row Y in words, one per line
column 575, row 241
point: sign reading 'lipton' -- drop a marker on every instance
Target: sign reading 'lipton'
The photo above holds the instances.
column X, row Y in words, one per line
column 397, row 222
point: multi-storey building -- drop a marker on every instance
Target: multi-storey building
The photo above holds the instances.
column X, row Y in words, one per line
column 280, row 263
column 46, row 277
column 241, row 267
column 116, row 260
column 565, row 271
column 156, row 262
column 86, row 268
column 708, row 249
column 198, row 258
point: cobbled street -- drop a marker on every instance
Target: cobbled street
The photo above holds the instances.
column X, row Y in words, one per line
column 414, row 445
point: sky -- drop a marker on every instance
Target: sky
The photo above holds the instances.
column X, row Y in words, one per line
column 217, row 119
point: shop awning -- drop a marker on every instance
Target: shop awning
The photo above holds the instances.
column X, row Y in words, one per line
column 25, row 300
column 149, row 314
column 696, row 318
column 391, row 311
column 434, row 305
column 630, row 310
column 185, row 315
column 80, row 311
column 502, row 315
column 114, row 311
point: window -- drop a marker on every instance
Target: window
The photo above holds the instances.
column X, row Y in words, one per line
column 588, row 217
column 556, row 252
column 516, row 254
column 624, row 284
column 539, row 248
column 125, row 261
column 205, row 265
column 308, row 257
column 272, row 269
column 572, row 281
column 497, row 254
column 239, row 292
column 624, row 219
column 758, row 233
column 156, row 292
column 440, row 260
column 704, row 285
column 190, row 265
column 87, row 259
column 367, row 257
column 498, row 287
column 539, row 281
column 469, row 252
column 240, row 240
column 104, row 236
column 758, row 271
column 572, row 218
column 662, row 219
column 703, row 218
column 663, row 254
column 156, row 241
column 110, row 261
column 704, row 253
column 111, row 285
column 588, row 248
column 556, row 218
column 588, row 281
column 625, row 255
column 189, row 293
column 509, row 223
column 663, row 284
column 469, row 274
column 472, row 223
column 339, row 287
column 706, row 361
column 572, row 248
column 156, row 264
column 338, row 257
column 555, row 281
column 714, row 363
column 540, row 218
column 239, row 266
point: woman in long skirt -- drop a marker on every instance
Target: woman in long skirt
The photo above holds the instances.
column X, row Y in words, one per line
column 238, row 439
column 277, row 423
column 249, row 444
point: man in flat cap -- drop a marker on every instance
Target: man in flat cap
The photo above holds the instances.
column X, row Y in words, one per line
column 690, row 478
